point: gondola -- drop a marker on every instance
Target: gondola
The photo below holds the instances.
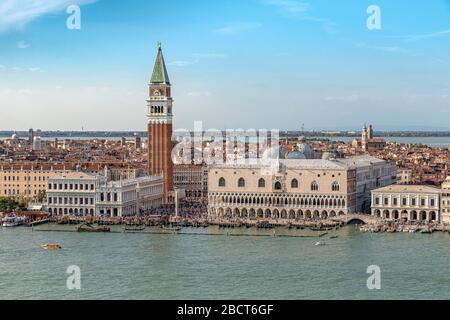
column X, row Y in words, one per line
column 85, row 227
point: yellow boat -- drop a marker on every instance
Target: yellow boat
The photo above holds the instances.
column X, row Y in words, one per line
column 48, row 246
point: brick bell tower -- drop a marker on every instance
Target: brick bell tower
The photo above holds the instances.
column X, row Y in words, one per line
column 159, row 115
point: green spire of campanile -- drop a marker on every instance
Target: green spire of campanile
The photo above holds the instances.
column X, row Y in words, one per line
column 160, row 75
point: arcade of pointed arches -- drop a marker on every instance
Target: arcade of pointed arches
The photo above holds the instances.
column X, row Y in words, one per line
column 286, row 206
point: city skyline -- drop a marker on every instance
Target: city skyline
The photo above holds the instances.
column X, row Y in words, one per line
column 265, row 64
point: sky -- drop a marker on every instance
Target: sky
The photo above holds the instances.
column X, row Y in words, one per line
column 232, row 64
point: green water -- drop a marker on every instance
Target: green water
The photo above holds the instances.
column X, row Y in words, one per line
column 171, row 266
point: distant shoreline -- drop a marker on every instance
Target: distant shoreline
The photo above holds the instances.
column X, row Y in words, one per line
column 129, row 134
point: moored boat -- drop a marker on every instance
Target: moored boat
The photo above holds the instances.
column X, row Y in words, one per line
column 171, row 228
column 265, row 225
column 12, row 221
column 85, row 227
column 134, row 228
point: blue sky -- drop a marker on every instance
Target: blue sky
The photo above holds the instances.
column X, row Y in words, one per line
column 232, row 64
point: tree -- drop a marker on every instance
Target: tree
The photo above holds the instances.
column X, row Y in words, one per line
column 41, row 196
column 9, row 204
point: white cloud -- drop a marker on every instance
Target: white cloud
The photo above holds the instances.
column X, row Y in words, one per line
column 237, row 28
column 290, row 6
column 15, row 14
column 426, row 36
column 181, row 63
column 25, row 92
column 391, row 49
column 22, row 45
column 209, row 55
column 301, row 10
column 199, row 94
column 19, row 69
column 447, row 63
column 343, row 98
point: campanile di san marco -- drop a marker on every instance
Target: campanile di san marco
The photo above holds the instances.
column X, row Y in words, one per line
column 159, row 116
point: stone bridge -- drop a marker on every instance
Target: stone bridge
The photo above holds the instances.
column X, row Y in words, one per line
column 355, row 217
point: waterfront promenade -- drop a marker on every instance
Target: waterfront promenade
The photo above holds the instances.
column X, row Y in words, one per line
column 367, row 223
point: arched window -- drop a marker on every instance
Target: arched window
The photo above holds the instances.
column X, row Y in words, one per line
column 314, row 186
column 335, row 186
column 277, row 185
column 261, row 183
column 294, row 183
column 222, row 182
column 241, row 183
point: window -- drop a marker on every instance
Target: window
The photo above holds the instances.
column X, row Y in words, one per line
column 222, row 182
column 278, row 185
column 314, row 186
column 294, row 183
column 432, row 202
column 241, row 182
column 261, row 183
column 335, row 186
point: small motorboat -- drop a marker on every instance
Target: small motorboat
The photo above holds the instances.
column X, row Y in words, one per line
column 333, row 237
column 48, row 246
column 319, row 243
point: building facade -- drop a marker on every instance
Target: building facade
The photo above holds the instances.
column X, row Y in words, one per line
column 81, row 193
column 407, row 202
column 129, row 197
column 445, row 201
column 192, row 178
column 371, row 173
column 73, row 193
column 292, row 189
column 160, row 116
column 28, row 180
column 405, row 176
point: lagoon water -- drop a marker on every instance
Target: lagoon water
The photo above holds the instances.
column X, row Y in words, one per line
column 192, row 266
